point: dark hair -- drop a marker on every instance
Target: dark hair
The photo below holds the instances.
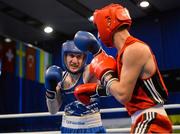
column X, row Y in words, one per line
column 125, row 26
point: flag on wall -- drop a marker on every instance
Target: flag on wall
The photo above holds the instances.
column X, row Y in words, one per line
column 1, row 56
column 20, row 59
column 30, row 63
column 1, row 51
column 47, row 60
column 8, row 59
column 43, row 60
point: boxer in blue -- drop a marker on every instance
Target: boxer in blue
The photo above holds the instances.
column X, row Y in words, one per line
column 60, row 85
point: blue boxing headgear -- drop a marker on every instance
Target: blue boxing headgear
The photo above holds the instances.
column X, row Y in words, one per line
column 70, row 47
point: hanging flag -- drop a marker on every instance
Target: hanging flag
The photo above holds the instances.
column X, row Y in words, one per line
column 20, row 59
column 1, row 51
column 47, row 63
column 39, row 65
column 30, row 63
column 1, row 56
column 47, row 60
column 8, row 59
column 43, row 60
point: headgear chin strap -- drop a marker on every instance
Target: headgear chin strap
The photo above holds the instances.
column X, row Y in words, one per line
column 70, row 47
column 109, row 19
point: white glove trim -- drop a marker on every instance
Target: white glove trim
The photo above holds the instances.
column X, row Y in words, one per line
column 109, row 83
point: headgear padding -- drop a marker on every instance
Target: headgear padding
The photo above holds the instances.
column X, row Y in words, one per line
column 70, row 47
column 108, row 19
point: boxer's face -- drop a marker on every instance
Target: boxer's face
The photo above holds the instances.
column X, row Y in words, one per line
column 74, row 61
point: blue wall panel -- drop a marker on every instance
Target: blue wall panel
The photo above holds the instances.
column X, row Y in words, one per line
column 161, row 33
column 149, row 31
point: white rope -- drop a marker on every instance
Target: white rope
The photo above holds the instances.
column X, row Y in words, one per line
column 169, row 106
column 112, row 110
column 26, row 115
column 112, row 130
column 116, row 130
column 172, row 106
column 176, row 127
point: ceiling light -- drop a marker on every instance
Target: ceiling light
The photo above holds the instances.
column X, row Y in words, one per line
column 48, row 29
column 144, row 4
column 29, row 45
column 91, row 18
column 7, row 40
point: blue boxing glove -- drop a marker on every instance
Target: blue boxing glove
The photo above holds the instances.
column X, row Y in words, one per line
column 86, row 41
column 53, row 76
column 103, row 66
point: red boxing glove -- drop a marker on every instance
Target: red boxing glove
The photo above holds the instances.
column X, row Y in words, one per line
column 84, row 92
column 104, row 66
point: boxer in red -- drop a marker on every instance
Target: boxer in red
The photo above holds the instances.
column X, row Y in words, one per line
column 133, row 79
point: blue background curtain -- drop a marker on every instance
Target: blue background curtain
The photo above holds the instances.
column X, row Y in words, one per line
column 161, row 33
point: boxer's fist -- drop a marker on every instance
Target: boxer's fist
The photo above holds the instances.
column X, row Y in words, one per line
column 104, row 66
column 84, row 92
column 86, row 41
column 53, row 76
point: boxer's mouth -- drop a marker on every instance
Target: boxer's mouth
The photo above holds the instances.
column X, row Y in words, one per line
column 74, row 65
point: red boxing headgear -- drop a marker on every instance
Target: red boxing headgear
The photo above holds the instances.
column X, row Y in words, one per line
column 108, row 19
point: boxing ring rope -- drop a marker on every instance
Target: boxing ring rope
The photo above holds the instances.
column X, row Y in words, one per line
column 109, row 110
column 26, row 115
